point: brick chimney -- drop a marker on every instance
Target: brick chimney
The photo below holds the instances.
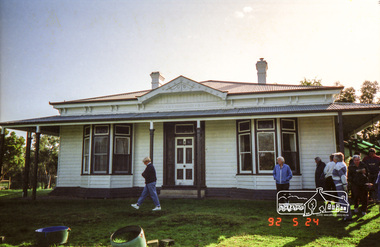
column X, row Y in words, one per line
column 262, row 67
column 157, row 78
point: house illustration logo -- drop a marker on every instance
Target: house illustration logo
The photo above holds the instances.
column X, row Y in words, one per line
column 308, row 203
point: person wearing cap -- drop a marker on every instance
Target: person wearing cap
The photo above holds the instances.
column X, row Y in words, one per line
column 319, row 175
column 373, row 162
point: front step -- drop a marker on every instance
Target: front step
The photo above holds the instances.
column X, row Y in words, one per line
column 178, row 193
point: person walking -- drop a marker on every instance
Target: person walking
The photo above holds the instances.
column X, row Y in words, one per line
column 150, row 186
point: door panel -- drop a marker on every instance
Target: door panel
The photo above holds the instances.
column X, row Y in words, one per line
column 184, row 151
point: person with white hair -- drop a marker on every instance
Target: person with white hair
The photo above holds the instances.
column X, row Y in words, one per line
column 150, row 186
column 282, row 174
column 339, row 176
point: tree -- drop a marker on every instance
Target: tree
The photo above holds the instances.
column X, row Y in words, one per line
column 312, row 82
column 13, row 159
column 346, row 95
column 368, row 90
column 48, row 160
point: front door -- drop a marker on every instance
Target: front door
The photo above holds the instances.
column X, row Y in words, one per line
column 184, row 160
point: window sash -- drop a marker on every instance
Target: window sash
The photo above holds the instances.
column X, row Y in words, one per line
column 265, row 128
column 266, row 154
column 245, row 153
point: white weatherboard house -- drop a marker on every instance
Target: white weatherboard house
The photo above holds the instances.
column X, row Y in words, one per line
column 210, row 138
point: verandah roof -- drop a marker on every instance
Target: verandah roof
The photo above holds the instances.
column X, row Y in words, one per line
column 50, row 125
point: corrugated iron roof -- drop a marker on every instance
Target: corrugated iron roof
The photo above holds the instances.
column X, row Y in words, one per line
column 224, row 86
column 334, row 107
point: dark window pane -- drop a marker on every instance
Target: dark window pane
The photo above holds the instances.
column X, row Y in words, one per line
column 265, row 124
column 179, row 173
column 101, row 144
column 266, row 141
column 246, row 162
column 122, row 130
column 86, row 148
column 189, row 142
column 100, row 163
column 121, row 145
column 189, row 155
column 86, row 163
column 180, row 155
column 289, row 142
column 179, row 141
column 266, row 161
column 291, row 160
column 121, row 163
column 245, row 143
column 101, row 130
column 184, row 129
column 288, row 124
column 189, row 174
column 87, row 131
column 244, row 126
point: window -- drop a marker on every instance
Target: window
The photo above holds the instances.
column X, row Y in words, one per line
column 122, row 149
column 244, row 146
column 100, row 149
column 289, row 143
column 184, row 128
column 86, row 150
column 266, row 145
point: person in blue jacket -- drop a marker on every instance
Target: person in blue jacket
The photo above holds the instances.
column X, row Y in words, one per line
column 282, row 174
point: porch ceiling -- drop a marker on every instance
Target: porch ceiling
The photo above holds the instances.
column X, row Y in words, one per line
column 355, row 123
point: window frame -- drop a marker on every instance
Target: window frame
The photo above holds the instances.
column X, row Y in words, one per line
column 240, row 133
column 89, row 150
column 106, row 171
column 275, row 143
column 297, row 170
column 130, row 140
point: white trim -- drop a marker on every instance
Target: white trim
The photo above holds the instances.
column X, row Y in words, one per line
column 253, row 116
column 292, row 120
column 274, row 124
column 111, row 148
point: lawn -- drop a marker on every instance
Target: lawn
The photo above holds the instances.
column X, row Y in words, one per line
column 190, row 222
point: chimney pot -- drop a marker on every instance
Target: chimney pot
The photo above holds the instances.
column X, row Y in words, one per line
column 262, row 67
column 157, row 78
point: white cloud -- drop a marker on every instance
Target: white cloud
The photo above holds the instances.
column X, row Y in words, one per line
column 247, row 9
column 239, row 14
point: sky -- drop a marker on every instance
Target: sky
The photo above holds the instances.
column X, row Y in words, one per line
column 64, row 50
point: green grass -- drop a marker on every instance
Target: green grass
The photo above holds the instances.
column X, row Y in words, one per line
column 189, row 222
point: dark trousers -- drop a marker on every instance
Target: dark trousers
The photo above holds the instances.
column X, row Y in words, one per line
column 329, row 185
column 280, row 187
column 360, row 195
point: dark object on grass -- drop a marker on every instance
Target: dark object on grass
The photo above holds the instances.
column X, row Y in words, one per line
column 166, row 242
column 128, row 236
column 52, row 235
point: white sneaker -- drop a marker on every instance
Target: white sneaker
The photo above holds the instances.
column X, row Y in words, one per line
column 136, row 206
column 364, row 213
column 158, row 208
column 356, row 211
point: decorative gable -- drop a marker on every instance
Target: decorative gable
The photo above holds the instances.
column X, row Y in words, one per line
column 181, row 85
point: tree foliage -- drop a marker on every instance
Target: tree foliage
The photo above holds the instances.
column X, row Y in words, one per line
column 48, row 160
column 369, row 90
column 13, row 157
column 311, row 82
column 347, row 95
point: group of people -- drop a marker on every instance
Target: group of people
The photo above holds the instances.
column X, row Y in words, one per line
column 361, row 177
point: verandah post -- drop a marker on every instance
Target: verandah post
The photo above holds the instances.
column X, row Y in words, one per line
column 36, row 160
column 151, row 130
column 27, row 164
column 340, row 130
column 199, row 158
